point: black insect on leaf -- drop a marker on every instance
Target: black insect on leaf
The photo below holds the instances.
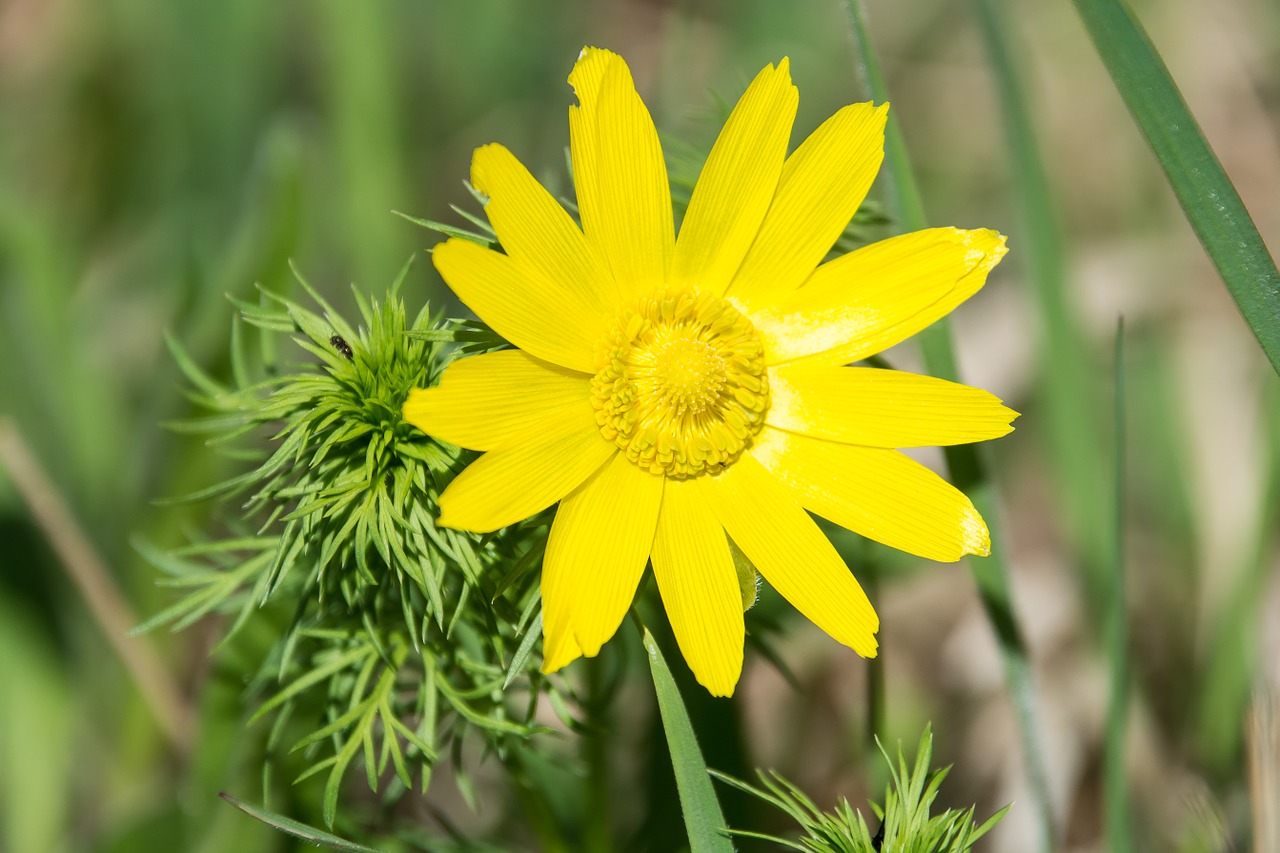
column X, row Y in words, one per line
column 338, row 343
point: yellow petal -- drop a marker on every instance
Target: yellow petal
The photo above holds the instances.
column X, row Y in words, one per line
column 507, row 485
column 785, row 544
column 699, row 586
column 822, row 184
column 538, row 233
column 596, row 553
column 585, row 79
column 882, row 408
column 872, row 298
column 737, row 183
column 628, row 200
column 499, row 399
column 878, row 493
column 533, row 312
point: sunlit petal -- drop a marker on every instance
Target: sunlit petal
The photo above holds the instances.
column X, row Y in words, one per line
column 507, row 485
column 699, row 587
column 785, row 544
column 872, row 298
column 596, row 553
column 878, row 493
column 882, row 408
column 737, row 183
column 822, row 185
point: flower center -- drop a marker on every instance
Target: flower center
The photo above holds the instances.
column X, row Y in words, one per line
column 682, row 387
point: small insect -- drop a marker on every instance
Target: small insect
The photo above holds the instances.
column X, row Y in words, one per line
column 342, row 346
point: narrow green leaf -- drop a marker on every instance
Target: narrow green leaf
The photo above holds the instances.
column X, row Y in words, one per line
column 191, row 370
column 314, row 676
column 1208, row 198
column 703, row 820
column 1232, row 658
column 449, row 230
column 298, row 830
column 1115, row 784
column 522, row 653
column 333, row 785
column 1067, row 363
column 966, row 466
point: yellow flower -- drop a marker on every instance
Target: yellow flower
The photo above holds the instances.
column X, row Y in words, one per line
column 675, row 393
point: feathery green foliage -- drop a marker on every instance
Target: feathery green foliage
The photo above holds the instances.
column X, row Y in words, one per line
column 404, row 636
column 906, row 825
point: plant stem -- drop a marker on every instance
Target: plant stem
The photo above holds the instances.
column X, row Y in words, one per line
column 1115, row 782
column 967, row 469
column 91, row 577
column 1066, row 362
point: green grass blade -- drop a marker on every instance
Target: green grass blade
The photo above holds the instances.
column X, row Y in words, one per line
column 703, row 819
column 310, row 834
column 1115, row 782
column 531, row 636
column 1208, row 199
column 1232, row 658
column 968, row 471
column 1071, row 434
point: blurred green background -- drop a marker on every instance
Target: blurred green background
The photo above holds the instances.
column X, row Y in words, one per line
column 157, row 156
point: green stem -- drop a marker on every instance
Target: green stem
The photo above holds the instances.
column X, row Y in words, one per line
column 597, row 836
column 1115, row 783
column 1072, row 434
column 967, row 469
column 1209, row 200
column 875, row 667
column 703, row 820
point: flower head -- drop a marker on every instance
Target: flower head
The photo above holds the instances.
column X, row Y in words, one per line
column 678, row 393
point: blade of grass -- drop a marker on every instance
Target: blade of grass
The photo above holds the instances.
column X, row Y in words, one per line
column 1233, row 650
column 1208, row 198
column 91, row 577
column 1115, row 781
column 1065, row 365
column 362, row 89
column 1264, row 768
column 310, row 834
column 967, row 469
column 703, row 819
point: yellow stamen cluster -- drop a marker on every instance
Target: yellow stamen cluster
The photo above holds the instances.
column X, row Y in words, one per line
column 682, row 387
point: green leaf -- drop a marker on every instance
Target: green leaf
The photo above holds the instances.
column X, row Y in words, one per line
column 522, row 653
column 1115, row 784
column 1208, row 198
column 296, row 829
column 449, row 230
column 1067, row 364
column 191, row 370
column 966, row 467
column 703, row 820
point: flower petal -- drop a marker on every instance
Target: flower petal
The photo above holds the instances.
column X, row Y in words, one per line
column 872, row 298
column 512, row 483
column 585, row 79
column 789, row 550
column 624, row 198
column 878, row 493
column 500, row 399
column 538, row 233
column 699, row 586
column 822, row 184
column 535, row 313
column 737, row 183
column 596, row 553
column 882, row 408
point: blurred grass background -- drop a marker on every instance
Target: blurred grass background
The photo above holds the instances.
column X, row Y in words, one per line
column 158, row 156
